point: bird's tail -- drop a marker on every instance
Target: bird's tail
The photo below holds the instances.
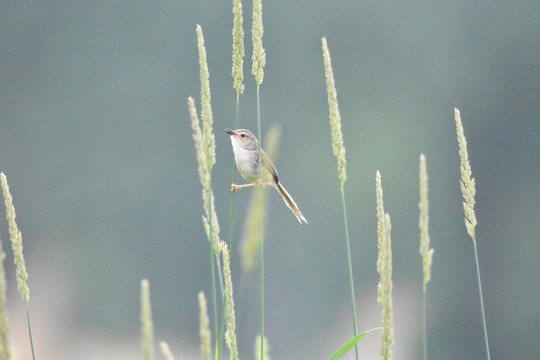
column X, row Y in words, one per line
column 290, row 203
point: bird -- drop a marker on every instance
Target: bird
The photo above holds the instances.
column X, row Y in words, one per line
column 246, row 154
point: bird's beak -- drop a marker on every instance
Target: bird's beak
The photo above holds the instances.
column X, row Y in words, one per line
column 230, row 131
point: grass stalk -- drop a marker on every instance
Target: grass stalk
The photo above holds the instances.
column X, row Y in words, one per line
column 339, row 152
column 349, row 263
column 468, row 190
column 261, row 230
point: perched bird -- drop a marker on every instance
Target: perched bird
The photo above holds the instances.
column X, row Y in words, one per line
column 246, row 154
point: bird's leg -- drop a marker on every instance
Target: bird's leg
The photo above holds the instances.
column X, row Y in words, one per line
column 258, row 183
column 236, row 187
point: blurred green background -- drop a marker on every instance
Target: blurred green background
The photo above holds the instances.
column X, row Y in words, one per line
column 96, row 144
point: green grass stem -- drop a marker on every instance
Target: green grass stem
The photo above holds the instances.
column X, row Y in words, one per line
column 339, row 151
column 349, row 262
column 30, row 334
column 262, row 227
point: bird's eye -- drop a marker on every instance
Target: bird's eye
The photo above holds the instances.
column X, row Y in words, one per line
column 243, row 135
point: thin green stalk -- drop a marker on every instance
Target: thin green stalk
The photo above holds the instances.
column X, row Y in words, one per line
column 231, row 217
column 424, row 342
column 30, row 334
column 262, row 227
column 221, row 329
column 213, row 282
column 349, row 260
column 213, row 270
column 481, row 300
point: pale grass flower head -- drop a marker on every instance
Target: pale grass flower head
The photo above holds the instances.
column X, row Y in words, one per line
column 380, row 205
column 166, row 351
column 206, row 112
column 5, row 347
column 238, row 47
column 259, row 55
column 384, row 268
column 147, row 326
column 16, row 242
column 468, row 188
column 335, row 117
column 204, row 174
column 230, row 334
column 266, row 348
column 208, row 144
column 425, row 251
column 204, row 328
column 384, row 290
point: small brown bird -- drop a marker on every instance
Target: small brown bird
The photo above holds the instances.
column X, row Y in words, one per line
column 246, row 154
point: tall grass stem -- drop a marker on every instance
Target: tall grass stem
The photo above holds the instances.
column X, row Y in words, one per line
column 339, row 151
column 468, row 190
